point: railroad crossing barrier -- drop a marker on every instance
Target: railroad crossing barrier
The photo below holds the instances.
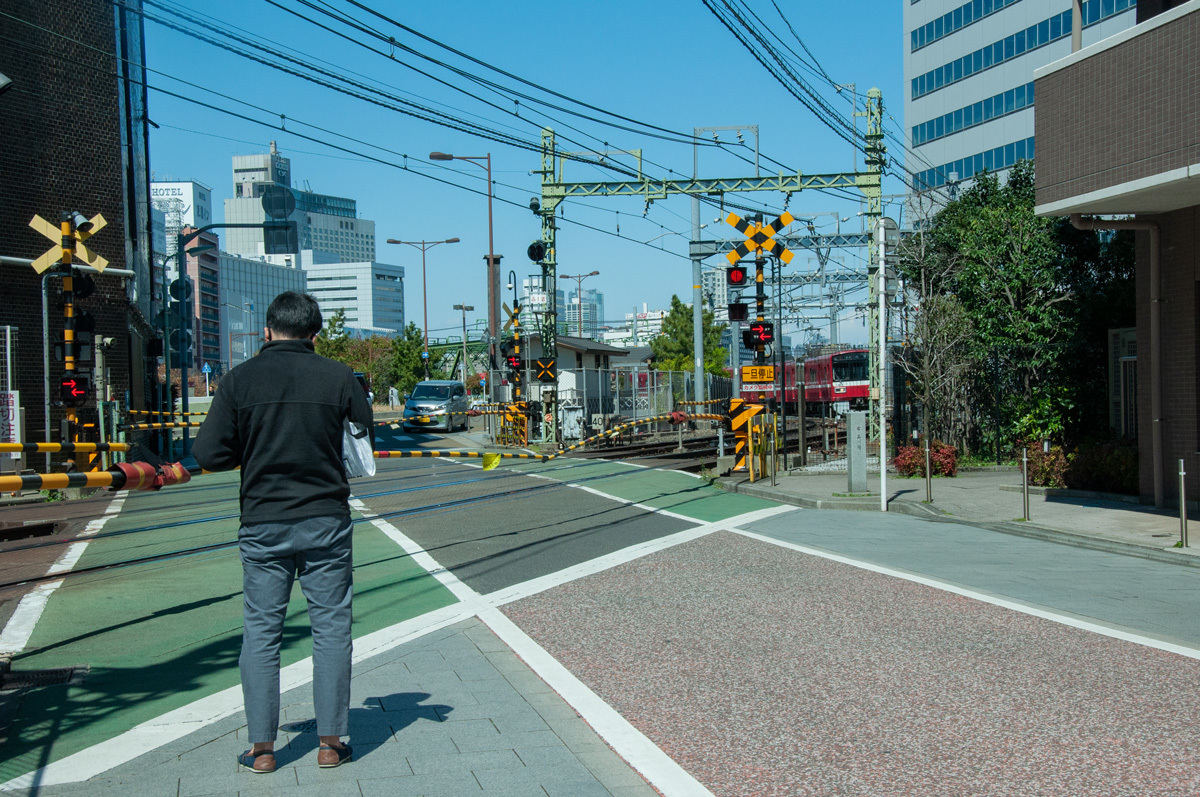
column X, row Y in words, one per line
column 163, row 412
column 141, row 427
column 121, row 476
column 60, row 448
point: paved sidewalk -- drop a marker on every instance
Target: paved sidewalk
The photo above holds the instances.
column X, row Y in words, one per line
column 993, row 499
column 454, row 712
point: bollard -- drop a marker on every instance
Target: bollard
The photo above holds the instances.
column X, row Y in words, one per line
column 1025, row 480
column 721, row 440
column 1183, row 535
column 774, row 458
column 928, row 474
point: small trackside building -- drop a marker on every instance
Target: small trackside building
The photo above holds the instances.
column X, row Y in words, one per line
column 1118, row 135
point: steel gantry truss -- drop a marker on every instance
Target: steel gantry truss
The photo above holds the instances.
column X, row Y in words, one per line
column 555, row 190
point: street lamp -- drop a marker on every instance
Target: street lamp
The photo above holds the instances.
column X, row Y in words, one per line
column 579, row 278
column 464, row 308
column 424, row 246
column 493, row 265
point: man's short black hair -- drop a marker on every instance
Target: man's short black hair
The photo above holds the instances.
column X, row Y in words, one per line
column 294, row 315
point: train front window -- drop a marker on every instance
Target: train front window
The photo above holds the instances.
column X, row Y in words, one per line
column 850, row 367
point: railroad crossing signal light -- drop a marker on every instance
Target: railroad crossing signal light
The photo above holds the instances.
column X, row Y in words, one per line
column 759, row 333
column 764, row 331
column 737, row 311
column 74, row 389
column 735, row 276
column 514, row 362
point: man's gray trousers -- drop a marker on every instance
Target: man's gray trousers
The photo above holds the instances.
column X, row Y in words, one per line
column 317, row 550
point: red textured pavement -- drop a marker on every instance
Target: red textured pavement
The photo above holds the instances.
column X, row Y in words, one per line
column 765, row 671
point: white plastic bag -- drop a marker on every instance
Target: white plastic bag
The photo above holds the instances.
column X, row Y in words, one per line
column 357, row 455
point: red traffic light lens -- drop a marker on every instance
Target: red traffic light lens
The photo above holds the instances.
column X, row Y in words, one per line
column 735, row 275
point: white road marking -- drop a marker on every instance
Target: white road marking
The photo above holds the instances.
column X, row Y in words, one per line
column 658, row 768
column 20, row 625
column 1006, row 603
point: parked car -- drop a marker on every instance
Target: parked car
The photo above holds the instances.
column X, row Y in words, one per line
column 437, row 404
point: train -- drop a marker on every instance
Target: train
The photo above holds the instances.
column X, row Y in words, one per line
column 833, row 383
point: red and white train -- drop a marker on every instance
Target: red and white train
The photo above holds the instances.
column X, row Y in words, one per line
column 832, row 383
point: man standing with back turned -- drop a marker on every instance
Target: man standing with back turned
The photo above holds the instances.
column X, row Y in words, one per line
column 280, row 416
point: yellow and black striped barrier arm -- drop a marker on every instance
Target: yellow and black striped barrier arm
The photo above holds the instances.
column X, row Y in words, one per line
column 162, row 413
column 704, row 403
column 122, row 476
column 490, row 458
column 60, row 448
column 141, row 427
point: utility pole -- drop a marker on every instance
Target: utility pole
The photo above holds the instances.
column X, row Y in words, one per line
column 555, row 190
column 424, row 246
column 465, row 308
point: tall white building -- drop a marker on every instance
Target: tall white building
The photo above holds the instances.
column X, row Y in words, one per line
column 584, row 312
column 324, row 223
column 370, row 293
column 968, row 77
column 246, row 286
column 534, row 302
column 185, row 203
column 715, row 292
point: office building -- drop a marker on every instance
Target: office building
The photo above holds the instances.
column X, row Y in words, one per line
column 185, row 203
column 968, row 78
column 202, row 271
column 324, row 223
column 584, row 314
column 1117, row 127
column 534, row 304
column 246, row 286
column 370, row 293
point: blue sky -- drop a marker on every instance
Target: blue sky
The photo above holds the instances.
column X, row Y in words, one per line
column 670, row 63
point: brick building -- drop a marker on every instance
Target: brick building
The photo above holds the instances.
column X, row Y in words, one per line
column 75, row 140
column 1118, row 132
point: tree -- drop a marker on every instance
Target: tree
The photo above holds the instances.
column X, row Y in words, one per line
column 673, row 349
column 402, row 365
column 332, row 341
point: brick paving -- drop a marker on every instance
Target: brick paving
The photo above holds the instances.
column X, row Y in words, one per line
column 454, row 712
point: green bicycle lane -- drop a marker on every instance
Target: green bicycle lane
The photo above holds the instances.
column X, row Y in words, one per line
column 159, row 635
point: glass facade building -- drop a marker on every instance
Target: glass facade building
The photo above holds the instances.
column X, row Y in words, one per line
column 968, row 69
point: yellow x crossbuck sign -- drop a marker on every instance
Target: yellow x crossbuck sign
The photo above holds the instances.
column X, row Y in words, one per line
column 759, row 237
column 513, row 315
column 82, row 253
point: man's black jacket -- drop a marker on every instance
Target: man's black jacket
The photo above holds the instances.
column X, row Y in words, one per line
column 279, row 416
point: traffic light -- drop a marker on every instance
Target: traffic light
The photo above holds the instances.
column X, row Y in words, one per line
column 74, row 389
column 737, row 311
column 735, row 276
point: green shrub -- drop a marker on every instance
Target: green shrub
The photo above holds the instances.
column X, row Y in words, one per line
column 1047, row 469
column 1110, row 467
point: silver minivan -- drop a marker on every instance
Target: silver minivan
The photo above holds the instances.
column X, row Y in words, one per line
column 437, row 404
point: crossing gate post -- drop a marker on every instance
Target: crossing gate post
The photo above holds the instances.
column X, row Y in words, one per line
column 740, row 413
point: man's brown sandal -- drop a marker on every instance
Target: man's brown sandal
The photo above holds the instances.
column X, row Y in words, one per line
column 329, row 756
column 250, row 760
